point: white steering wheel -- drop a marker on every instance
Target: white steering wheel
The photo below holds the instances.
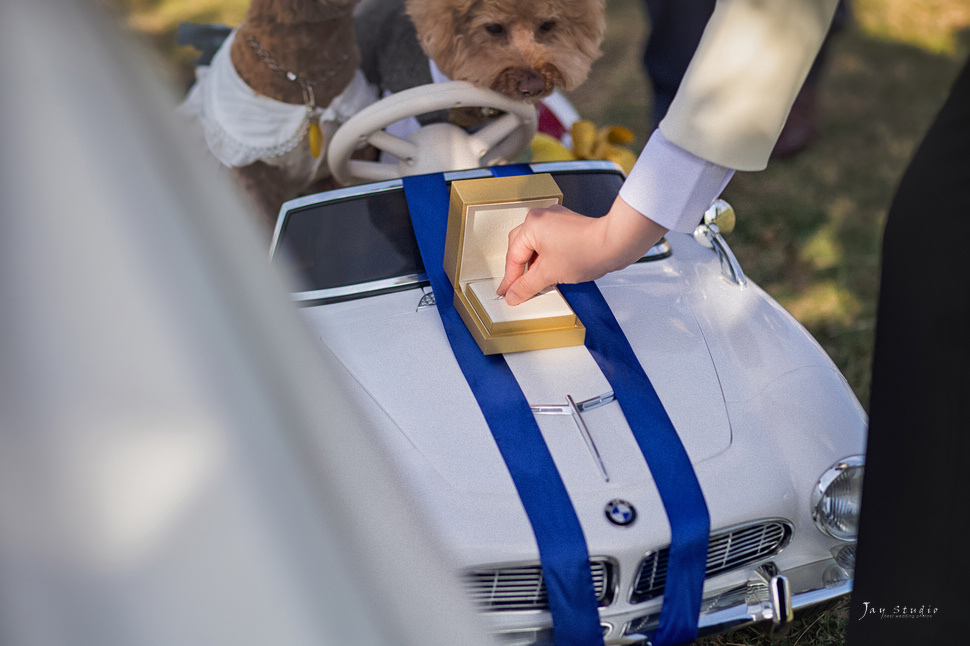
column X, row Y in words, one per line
column 437, row 147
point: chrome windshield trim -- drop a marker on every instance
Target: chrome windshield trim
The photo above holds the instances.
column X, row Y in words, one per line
column 474, row 173
column 328, row 196
column 360, row 290
column 659, row 251
column 569, row 166
column 343, row 193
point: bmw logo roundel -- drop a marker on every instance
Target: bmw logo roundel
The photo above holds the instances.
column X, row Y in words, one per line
column 620, row 512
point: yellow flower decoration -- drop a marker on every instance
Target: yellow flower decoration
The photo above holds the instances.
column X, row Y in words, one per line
column 589, row 142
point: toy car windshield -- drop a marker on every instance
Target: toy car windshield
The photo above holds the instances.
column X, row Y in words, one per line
column 358, row 241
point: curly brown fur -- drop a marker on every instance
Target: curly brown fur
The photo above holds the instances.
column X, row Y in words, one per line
column 522, row 48
column 298, row 11
column 307, row 37
column 311, row 38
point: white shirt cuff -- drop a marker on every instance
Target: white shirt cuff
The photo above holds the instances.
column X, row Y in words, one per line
column 671, row 186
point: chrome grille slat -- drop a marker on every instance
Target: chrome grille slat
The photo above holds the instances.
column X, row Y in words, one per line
column 727, row 550
column 522, row 587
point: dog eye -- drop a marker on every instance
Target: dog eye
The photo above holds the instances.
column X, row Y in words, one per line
column 495, row 29
column 547, row 26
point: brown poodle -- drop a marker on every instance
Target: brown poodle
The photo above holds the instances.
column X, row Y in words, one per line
column 524, row 49
column 274, row 93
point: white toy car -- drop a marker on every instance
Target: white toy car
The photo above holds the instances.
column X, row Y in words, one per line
column 773, row 431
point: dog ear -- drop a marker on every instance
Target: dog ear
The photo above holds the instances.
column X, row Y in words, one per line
column 586, row 17
column 299, row 11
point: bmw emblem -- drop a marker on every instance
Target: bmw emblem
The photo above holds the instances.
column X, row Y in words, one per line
column 620, row 512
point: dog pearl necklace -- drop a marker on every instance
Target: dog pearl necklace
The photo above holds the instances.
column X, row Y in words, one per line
column 315, row 133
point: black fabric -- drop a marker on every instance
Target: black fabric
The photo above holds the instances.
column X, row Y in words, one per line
column 391, row 56
column 913, row 563
column 676, row 27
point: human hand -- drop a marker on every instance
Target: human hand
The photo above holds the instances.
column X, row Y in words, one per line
column 550, row 247
column 561, row 246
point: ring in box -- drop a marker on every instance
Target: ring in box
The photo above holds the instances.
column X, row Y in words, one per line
column 481, row 214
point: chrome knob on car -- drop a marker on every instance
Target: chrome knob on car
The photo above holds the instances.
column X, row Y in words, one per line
column 722, row 214
column 720, row 219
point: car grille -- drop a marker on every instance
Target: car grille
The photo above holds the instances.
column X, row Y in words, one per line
column 726, row 550
column 522, row 587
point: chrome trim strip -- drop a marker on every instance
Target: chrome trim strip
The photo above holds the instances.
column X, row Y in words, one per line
column 583, row 406
column 411, row 280
column 596, row 402
column 551, row 409
column 474, row 173
column 590, row 444
column 541, row 167
column 576, row 410
column 328, row 196
column 343, row 193
column 560, row 166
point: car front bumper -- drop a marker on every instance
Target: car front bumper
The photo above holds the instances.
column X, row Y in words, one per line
column 769, row 595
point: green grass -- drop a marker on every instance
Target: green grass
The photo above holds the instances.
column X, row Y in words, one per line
column 815, row 629
column 809, row 229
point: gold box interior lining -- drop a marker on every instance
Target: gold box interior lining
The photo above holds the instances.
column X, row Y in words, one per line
column 486, row 236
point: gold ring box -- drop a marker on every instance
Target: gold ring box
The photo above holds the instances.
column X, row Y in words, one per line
column 480, row 216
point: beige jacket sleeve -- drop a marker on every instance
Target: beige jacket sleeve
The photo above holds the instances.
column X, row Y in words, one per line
column 740, row 85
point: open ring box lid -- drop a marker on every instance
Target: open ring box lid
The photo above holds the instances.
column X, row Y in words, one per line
column 480, row 216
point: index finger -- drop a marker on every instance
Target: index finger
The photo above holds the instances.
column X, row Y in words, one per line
column 517, row 258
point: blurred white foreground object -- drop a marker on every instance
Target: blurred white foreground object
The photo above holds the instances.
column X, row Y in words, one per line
column 177, row 461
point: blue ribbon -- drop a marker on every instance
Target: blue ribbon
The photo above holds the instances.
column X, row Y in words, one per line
column 669, row 464
column 666, row 457
column 562, row 546
column 563, row 553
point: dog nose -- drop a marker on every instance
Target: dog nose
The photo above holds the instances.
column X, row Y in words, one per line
column 531, row 84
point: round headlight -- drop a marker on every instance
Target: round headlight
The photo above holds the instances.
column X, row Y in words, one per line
column 837, row 497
